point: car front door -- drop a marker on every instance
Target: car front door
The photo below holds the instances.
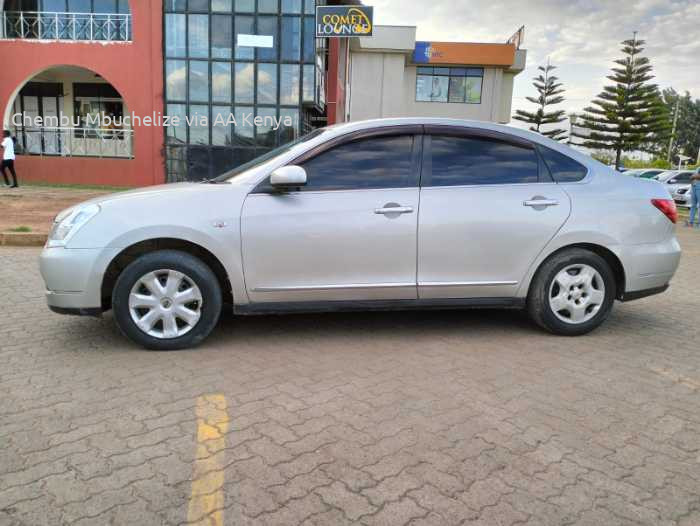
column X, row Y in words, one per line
column 488, row 207
column 349, row 234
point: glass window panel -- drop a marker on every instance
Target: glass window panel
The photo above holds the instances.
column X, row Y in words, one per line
column 198, row 35
column 170, row 5
column 309, row 89
column 198, row 163
column 309, row 38
column 221, row 82
column 104, row 6
column 458, row 86
column 287, row 132
column 424, row 86
column 268, row 6
column 176, row 80
column 245, row 6
column 199, row 124
column 267, row 25
column 221, row 39
column 474, row 90
column 220, row 130
column 458, row 72
column 289, row 84
column 79, row 6
column 475, row 72
column 291, row 6
column 425, row 71
column 266, row 133
column 244, row 130
column 441, row 71
column 291, row 38
column 245, row 25
column 460, row 161
column 222, row 161
column 245, row 82
column 267, row 83
column 378, row 162
column 223, row 6
column 175, row 35
column 563, row 169
column 198, row 5
column 177, row 132
column 310, row 7
column 123, row 6
column 199, row 81
column 52, row 6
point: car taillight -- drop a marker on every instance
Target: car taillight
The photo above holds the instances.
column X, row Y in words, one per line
column 667, row 207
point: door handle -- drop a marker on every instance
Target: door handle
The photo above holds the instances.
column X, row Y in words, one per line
column 540, row 202
column 391, row 210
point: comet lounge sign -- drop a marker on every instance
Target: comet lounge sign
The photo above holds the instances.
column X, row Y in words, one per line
column 344, row 21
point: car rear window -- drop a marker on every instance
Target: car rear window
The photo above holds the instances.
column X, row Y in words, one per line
column 563, row 169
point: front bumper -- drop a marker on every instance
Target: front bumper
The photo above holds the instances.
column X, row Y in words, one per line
column 73, row 278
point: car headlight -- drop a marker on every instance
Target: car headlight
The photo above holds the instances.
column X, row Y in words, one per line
column 68, row 222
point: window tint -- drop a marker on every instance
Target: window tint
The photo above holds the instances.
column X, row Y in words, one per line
column 460, row 161
column 379, row 162
column 563, row 168
column 683, row 177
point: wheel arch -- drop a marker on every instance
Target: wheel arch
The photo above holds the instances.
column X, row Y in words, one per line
column 608, row 255
column 132, row 252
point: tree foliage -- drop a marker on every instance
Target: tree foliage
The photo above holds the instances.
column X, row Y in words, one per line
column 686, row 139
column 550, row 93
column 629, row 114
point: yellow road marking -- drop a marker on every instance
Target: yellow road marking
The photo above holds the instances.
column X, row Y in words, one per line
column 207, row 495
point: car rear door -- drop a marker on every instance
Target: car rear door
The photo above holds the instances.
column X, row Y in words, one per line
column 488, row 207
column 350, row 234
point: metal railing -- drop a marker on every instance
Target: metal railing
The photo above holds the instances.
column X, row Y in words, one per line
column 41, row 25
column 76, row 142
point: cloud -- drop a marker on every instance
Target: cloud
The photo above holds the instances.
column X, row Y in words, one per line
column 581, row 37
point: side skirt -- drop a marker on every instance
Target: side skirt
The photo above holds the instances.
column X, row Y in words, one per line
column 253, row 309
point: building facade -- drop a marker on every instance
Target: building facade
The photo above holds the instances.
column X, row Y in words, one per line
column 133, row 93
column 393, row 75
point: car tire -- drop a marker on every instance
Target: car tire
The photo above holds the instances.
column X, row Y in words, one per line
column 564, row 301
column 174, row 293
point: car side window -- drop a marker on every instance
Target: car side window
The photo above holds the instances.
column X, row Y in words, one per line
column 371, row 163
column 683, row 177
column 562, row 168
column 464, row 161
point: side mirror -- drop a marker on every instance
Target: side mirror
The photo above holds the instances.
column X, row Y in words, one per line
column 288, row 177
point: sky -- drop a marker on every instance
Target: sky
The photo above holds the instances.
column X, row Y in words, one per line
column 581, row 37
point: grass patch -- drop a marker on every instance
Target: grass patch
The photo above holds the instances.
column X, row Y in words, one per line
column 20, row 230
column 79, row 186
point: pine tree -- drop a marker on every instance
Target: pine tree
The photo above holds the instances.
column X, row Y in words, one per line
column 628, row 114
column 550, row 90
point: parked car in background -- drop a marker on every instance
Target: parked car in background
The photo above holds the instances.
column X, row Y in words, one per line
column 674, row 179
column 644, row 173
column 386, row 214
column 683, row 196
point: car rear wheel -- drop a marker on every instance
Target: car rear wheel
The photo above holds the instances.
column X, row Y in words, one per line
column 167, row 300
column 572, row 293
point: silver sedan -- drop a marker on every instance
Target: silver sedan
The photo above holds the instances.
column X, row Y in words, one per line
column 387, row 214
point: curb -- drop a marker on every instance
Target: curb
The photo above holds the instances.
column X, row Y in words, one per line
column 22, row 239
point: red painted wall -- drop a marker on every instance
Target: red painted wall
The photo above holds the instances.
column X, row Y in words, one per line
column 135, row 69
column 336, row 80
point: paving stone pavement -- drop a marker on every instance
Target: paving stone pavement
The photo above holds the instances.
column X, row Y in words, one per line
column 421, row 418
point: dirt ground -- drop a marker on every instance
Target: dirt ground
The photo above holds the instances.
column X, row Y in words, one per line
column 34, row 207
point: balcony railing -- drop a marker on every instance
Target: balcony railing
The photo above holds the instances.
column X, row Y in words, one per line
column 76, row 142
column 93, row 27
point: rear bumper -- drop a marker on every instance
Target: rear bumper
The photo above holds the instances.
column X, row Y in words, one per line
column 650, row 267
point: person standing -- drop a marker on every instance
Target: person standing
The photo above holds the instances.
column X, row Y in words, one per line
column 694, row 198
column 8, row 159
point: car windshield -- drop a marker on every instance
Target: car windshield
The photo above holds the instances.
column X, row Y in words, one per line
column 265, row 157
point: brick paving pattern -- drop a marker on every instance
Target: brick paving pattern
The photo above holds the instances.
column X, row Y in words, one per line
column 421, row 418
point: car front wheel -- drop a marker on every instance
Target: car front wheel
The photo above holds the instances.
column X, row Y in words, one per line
column 572, row 293
column 167, row 300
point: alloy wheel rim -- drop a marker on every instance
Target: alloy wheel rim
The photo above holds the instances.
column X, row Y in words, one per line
column 165, row 304
column 577, row 294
